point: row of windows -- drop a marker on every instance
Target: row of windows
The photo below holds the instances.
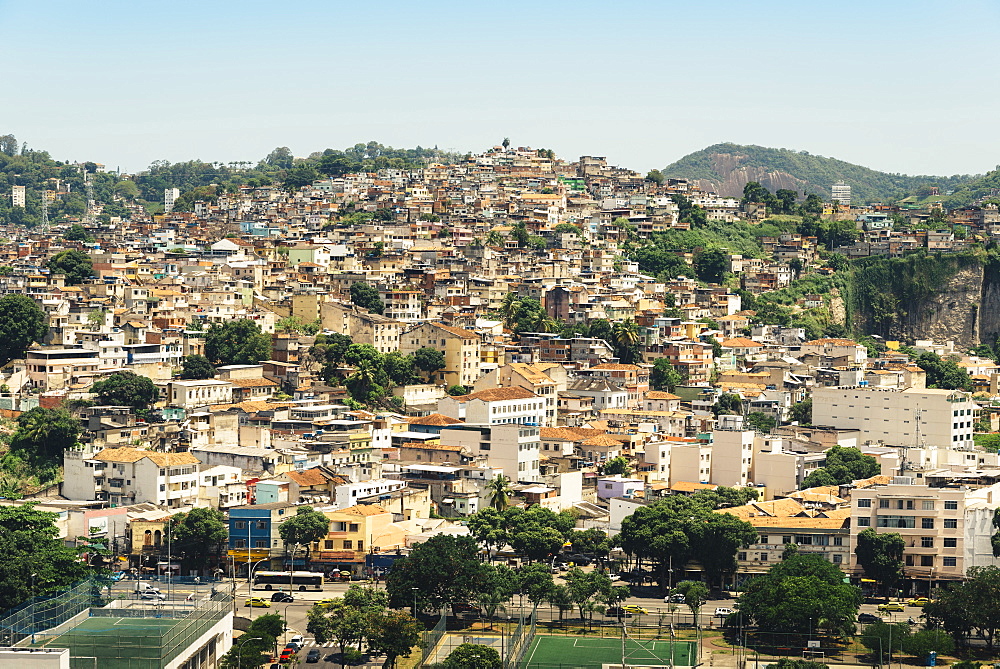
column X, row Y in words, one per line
column 908, row 504
column 928, row 561
column 348, row 545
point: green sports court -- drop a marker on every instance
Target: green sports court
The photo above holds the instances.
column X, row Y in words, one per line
column 565, row 652
column 114, row 643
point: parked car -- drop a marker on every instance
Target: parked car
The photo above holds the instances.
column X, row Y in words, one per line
column 257, row 602
column 297, row 638
column 578, row 559
column 152, row 594
column 325, row 603
column 282, row 597
column 891, row 606
column 723, row 611
column 287, row 654
column 676, row 598
column 312, row 656
column 868, row 618
column 918, row 601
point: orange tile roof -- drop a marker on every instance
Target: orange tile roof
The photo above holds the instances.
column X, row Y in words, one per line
column 135, row 454
column 458, row 332
column 741, row 342
column 691, row 486
column 363, row 510
column 434, row 419
column 309, row 477
column 660, row 395
column 253, row 383
column 498, row 394
column 616, row 366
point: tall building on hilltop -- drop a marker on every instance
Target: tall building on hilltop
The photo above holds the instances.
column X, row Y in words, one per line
column 170, row 195
column 841, row 192
column 17, row 196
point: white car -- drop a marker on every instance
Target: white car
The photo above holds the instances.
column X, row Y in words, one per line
column 723, row 611
column 152, row 594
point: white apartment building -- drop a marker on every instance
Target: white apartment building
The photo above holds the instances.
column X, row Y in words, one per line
column 348, row 494
column 841, row 192
column 946, row 529
column 199, row 393
column 945, row 417
column 170, row 196
column 732, row 457
column 690, row 462
column 132, row 476
column 495, row 406
column 17, row 197
column 514, row 448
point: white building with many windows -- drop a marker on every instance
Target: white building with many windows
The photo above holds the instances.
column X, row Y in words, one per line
column 132, row 476
column 913, row 417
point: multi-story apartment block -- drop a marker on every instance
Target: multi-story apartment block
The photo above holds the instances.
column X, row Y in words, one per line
column 513, row 447
column 132, row 476
column 460, row 348
column 913, row 417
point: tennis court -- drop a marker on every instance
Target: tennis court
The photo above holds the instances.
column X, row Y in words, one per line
column 115, row 643
column 570, row 653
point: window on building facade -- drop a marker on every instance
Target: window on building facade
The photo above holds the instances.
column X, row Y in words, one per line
column 950, row 542
column 864, row 503
column 950, row 562
column 950, row 523
column 950, row 504
column 926, row 560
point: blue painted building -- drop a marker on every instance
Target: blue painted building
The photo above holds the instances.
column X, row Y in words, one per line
column 253, row 534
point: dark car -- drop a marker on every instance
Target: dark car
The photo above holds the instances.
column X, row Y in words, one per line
column 868, row 618
column 578, row 559
column 312, row 656
column 282, row 597
column 617, row 612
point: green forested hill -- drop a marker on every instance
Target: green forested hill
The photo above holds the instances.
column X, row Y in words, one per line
column 728, row 167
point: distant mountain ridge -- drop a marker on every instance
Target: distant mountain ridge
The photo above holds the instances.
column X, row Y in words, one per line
column 726, row 168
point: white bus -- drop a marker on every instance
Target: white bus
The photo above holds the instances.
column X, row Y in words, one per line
column 283, row 580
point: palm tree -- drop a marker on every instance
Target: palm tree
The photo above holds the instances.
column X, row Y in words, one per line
column 499, row 491
column 626, row 336
column 494, row 238
column 509, row 308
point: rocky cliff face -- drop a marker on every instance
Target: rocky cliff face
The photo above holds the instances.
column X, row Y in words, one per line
column 735, row 176
column 964, row 309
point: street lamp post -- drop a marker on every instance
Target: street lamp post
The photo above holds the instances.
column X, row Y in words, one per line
column 33, row 575
column 414, row 601
column 239, row 651
column 250, row 573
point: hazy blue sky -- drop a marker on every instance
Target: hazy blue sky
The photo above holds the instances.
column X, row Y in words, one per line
column 907, row 86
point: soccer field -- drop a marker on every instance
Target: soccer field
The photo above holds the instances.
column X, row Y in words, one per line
column 571, row 653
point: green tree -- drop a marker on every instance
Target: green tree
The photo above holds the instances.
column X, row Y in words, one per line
column 457, row 390
column 802, row 411
column 626, row 340
column 304, row 528
column 196, row 367
column 695, row 595
column 969, row 608
column 428, row 360
column 920, row 644
column 519, row 233
column 197, row 535
column 711, row 265
column 126, row 389
column 127, row 189
column 535, row 582
column 340, row 623
column 883, row 639
column 238, row 342
column 790, row 550
column 843, row 465
column 499, row 491
column 561, row 598
column 299, row 177
column 617, row 466
column 728, row 404
column 795, row 663
column 30, row 542
column 443, row 569
column 76, row 265
column 943, row 373
column 785, row 200
column 366, row 296
column 655, row 176
column 674, row 530
column 880, row 554
column 499, row 583
column 77, row 233
column 399, row 368
column 22, row 322
column 801, row 593
column 663, row 375
column 394, row 634
column 472, row 656
column 43, row 434
column 761, row 422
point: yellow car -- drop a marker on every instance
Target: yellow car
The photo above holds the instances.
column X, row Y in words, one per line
column 919, row 601
column 325, row 603
column 257, row 602
column 891, row 606
column 634, row 610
